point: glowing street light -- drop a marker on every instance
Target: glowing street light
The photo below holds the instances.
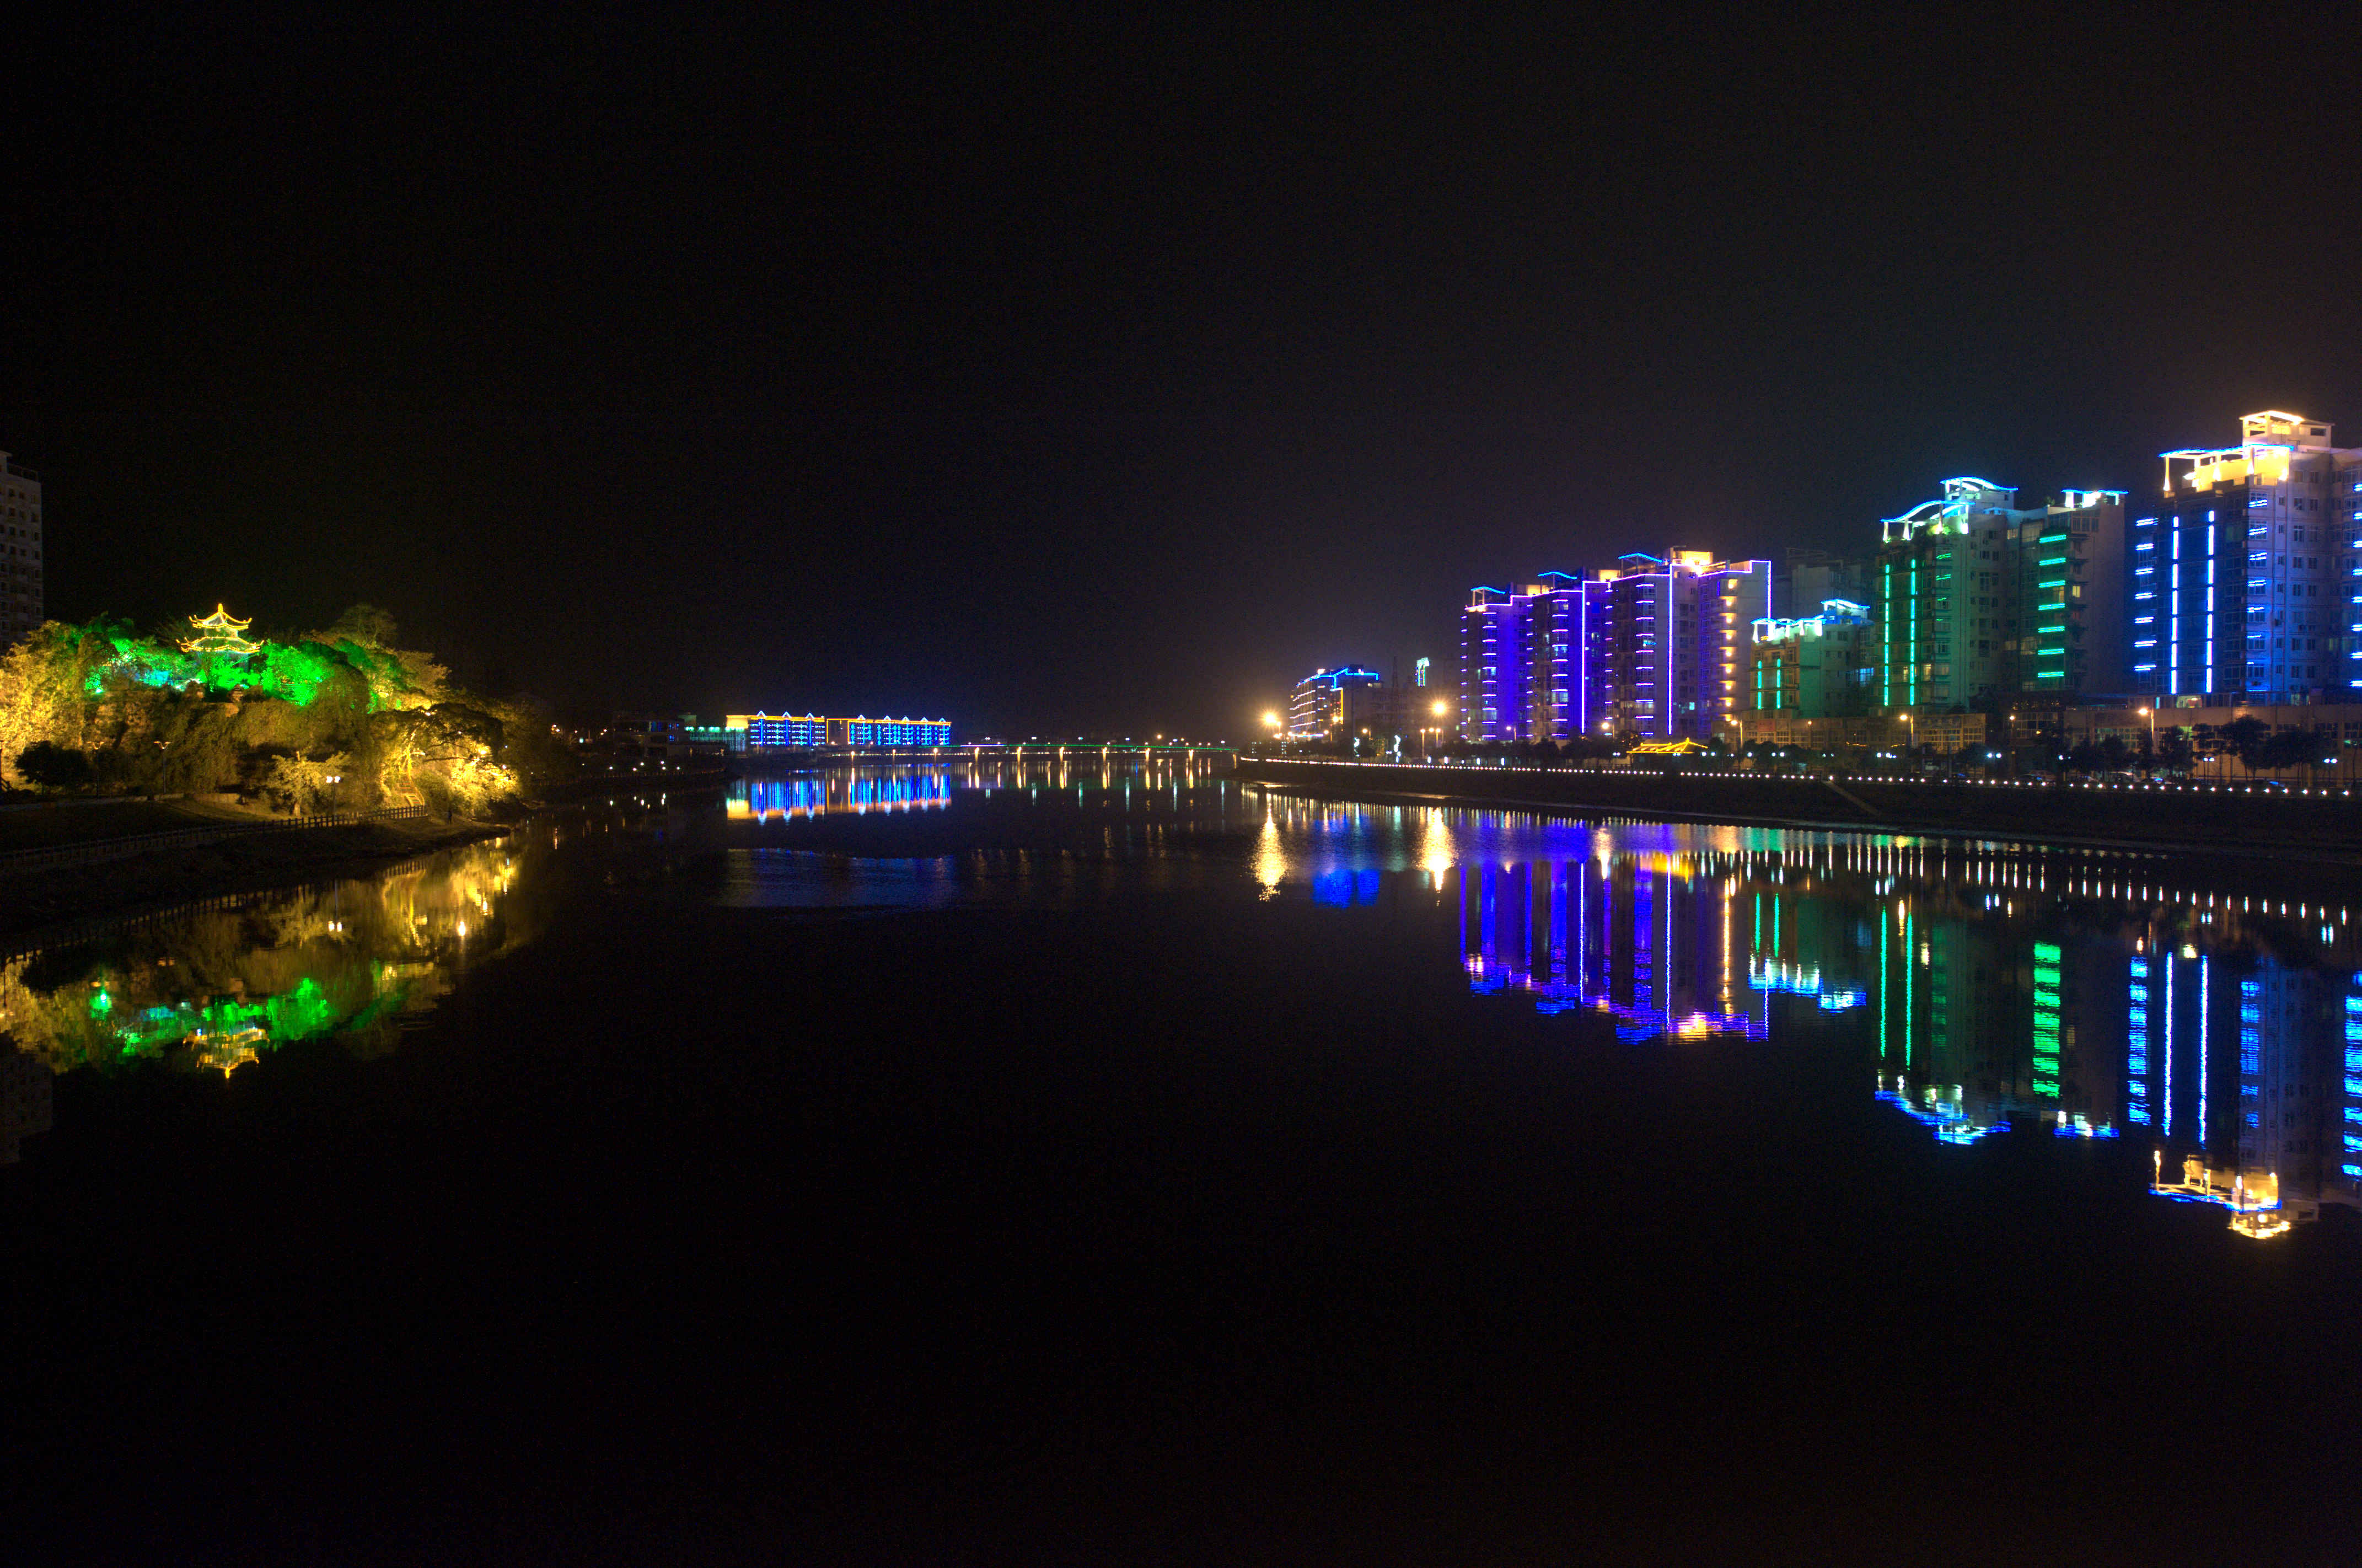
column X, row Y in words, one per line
column 1436, row 709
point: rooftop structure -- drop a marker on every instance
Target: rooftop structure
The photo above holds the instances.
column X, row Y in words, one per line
column 219, row 632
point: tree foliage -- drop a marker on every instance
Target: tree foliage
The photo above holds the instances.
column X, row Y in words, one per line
column 54, row 767
column 344, row 704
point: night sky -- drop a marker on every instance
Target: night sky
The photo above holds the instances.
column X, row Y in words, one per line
column 1059, row 375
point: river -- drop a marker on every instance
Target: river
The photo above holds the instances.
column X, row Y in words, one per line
column 1052, row 1165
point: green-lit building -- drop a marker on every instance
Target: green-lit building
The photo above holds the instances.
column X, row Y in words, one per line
column 1978, row 601
column 1815, row 667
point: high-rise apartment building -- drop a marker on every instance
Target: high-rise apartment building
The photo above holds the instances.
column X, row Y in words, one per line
column 2241, row 585
column 1674, row 648
column 1979, row 599
column 1656, row 645
column 20, row 551
column 2071, row 587
column 1561, row 625
column 1493, row 661
column 1526, row 668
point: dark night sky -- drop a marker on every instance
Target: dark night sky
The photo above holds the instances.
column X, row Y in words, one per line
column 1056, row 375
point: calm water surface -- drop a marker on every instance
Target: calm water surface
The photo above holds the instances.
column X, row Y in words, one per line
column 1992, row 990
column 1423, row 1140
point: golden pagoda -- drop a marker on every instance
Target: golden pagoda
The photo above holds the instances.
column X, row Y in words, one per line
column 218, row 634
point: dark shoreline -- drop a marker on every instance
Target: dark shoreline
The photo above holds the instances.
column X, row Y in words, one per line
column 33, row 901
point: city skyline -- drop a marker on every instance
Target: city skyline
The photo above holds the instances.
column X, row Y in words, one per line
column 963, row 332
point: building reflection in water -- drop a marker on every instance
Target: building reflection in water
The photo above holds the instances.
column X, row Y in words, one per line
column 837, row 790
column 1645, row 939
column 2074, row 994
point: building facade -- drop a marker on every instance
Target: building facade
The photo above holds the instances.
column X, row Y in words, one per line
column 21, row 606
column 2241, row 585
column 1809, row 579
column 1814, row 666
column 1330, row 703
column 765, row 732
column 1654, row 647
column 1979, row 601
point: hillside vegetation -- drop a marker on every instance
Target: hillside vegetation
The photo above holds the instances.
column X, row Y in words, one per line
column 339, row 718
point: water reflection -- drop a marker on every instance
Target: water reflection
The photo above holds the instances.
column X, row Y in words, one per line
column 1984, row 990
column 904, row 787
column 210, row 988
column 2081, row 995
column 838, row 789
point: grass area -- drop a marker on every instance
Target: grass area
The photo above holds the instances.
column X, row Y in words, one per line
column 82, row 821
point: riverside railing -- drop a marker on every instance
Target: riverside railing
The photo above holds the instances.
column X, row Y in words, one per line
column 42, row 858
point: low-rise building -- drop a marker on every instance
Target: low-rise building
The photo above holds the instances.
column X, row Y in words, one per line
column 1815, row 666
column 811, row 732
column 1332, row 702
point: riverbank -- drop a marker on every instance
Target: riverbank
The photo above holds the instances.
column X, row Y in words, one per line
column 2325, row 829
column 30, row 901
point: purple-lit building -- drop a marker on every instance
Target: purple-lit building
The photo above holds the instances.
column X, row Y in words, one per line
column 1655, row 646
column 1493, row 666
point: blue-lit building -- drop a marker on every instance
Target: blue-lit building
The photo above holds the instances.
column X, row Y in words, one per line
column 810, row 732
column 2242, row 581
